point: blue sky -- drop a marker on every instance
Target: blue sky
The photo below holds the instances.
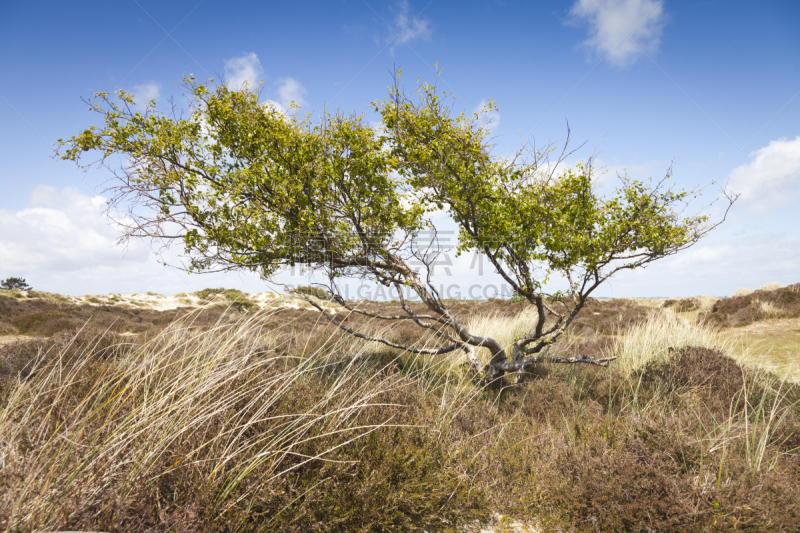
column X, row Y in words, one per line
column 711, row 86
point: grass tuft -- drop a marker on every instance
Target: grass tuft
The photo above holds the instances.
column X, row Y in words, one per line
column 652, row 340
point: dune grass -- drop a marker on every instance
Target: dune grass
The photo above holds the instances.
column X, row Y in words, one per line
column 652, row 340
column 503, row 329
column 216, row 415
column 248, row 426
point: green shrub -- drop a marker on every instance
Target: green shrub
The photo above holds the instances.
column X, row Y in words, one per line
column 234, row 297
column 517, row 298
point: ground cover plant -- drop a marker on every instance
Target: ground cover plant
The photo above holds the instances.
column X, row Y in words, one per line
column 279, row 421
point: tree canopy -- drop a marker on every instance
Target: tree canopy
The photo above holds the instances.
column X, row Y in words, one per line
column 244, row 185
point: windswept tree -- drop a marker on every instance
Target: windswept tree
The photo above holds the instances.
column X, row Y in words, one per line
column 245, row 186
column 15, row 284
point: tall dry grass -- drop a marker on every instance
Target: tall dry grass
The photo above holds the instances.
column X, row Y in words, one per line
column 652, row 340
column 768, row 309
column 705, row 302
column 504, row 329
column 80, row 430
column 246, row 428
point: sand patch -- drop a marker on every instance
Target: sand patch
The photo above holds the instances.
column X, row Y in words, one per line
column 771, row 344
column 161, row 302
column 7, row 339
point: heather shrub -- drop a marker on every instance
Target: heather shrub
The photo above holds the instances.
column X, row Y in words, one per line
column 607, row 317
column 45, row 323
column 20, row 358
column 782, row 302
column 278, row 422
column 681, row 305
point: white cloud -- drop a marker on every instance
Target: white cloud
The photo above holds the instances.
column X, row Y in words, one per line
column 489, row 119
column 142, row 94
column 246, row 71
column 243, row 70
column 408, row 27
column 621, row 30
column 772, row 179
column 718, row 266
column 63, row 242
column 290, row 91
column 60, row 231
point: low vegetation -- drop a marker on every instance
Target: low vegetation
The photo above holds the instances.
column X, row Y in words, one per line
column 218, row 420
column 315, row 292
column 235, row 298
column 748, row 307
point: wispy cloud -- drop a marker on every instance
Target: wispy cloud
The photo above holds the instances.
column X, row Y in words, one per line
column 290, row 90
column 621, row 31
column 771, row 179
column 245, row 69
column 142, row 94
column 408, row 27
